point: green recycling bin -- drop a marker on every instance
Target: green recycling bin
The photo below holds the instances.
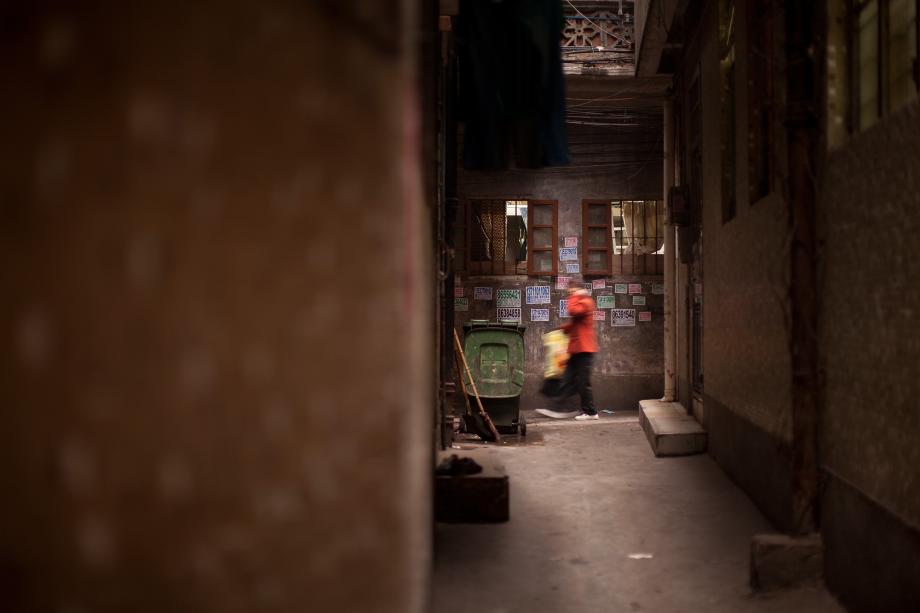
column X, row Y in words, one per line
column 495, row 354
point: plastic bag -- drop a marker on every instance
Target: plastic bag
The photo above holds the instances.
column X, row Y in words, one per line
column 555, row 354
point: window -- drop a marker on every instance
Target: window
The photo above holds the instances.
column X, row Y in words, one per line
column 885, row 51
column 508, row 237
column 543, row 237
column 622, row 237
column 867, row 59
column 903, row 70
column 596, row 236
column 727, row 93
column 760, row 98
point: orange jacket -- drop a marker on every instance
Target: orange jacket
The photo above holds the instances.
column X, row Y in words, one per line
column 581, row 328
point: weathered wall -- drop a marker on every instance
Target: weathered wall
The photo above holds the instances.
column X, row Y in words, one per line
column 747, row 374
column 628, row 367
column 215, row 370
column 745, row 266
column 870, row 347
column 869, row 221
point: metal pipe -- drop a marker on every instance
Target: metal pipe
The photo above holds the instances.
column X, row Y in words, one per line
column 670, row 286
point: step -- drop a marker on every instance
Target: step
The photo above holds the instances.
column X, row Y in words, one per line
column 473, row 499
column 669, row 429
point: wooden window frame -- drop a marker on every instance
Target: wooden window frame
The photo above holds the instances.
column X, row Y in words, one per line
column 624, row 264
column 473, row 270
column 585, row 227
column 531, row 226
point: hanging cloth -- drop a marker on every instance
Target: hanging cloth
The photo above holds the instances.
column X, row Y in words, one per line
column 512, row 92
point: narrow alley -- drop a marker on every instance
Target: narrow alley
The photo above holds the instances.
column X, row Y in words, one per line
column 601, row 525
column 460, row 306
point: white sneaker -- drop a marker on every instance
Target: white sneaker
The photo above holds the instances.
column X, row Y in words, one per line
column 585, row 416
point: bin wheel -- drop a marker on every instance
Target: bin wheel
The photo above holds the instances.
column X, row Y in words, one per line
column 522, row 426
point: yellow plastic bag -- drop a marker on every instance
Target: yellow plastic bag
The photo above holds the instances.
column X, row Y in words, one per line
column 555, row 353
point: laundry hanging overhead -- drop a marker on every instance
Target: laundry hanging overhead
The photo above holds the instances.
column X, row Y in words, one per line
column 512, row 93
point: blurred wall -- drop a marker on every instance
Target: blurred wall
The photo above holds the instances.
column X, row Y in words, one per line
column 215, row 381
column 870, row 346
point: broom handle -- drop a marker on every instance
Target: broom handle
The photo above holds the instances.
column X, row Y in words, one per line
column 469, row 374
column 466, row 397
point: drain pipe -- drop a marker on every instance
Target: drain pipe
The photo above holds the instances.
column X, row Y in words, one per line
column 670, row 254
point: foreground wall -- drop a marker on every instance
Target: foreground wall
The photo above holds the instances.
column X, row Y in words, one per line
column 870, row 347
column 628, row 366
column 214, row 309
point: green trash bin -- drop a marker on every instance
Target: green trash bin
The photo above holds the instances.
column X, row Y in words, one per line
column 495, row 354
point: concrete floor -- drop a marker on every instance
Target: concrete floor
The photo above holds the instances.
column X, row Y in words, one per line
column 584, row 497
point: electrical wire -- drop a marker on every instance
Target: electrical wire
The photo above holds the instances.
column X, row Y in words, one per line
column 600, row 98
column 611, row 125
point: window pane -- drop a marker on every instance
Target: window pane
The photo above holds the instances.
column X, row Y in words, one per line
column 634, row 224
column 542, row 214
column 616, row 213
column 868, row 65
column 543, row 238
column 516, row 234
column 638, row 227
column 542, row 261
column 597, row 260
column 644, row 239
column 516, row 207
column 658, row 225
column 597, row 237
column 597, row 214
column 902, row 45
column 619, row 241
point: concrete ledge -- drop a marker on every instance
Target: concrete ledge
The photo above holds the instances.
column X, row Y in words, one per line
column 669, row 430
column 779, row 561
column 473, row 499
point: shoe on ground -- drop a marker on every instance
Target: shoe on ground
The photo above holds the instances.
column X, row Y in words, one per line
column 585, row 417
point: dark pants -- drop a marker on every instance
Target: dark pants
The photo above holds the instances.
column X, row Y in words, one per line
column 577, row 379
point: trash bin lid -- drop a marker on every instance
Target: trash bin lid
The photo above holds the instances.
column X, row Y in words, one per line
column 495, row 355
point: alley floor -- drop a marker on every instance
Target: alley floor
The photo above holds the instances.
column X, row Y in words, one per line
column 599, row 525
